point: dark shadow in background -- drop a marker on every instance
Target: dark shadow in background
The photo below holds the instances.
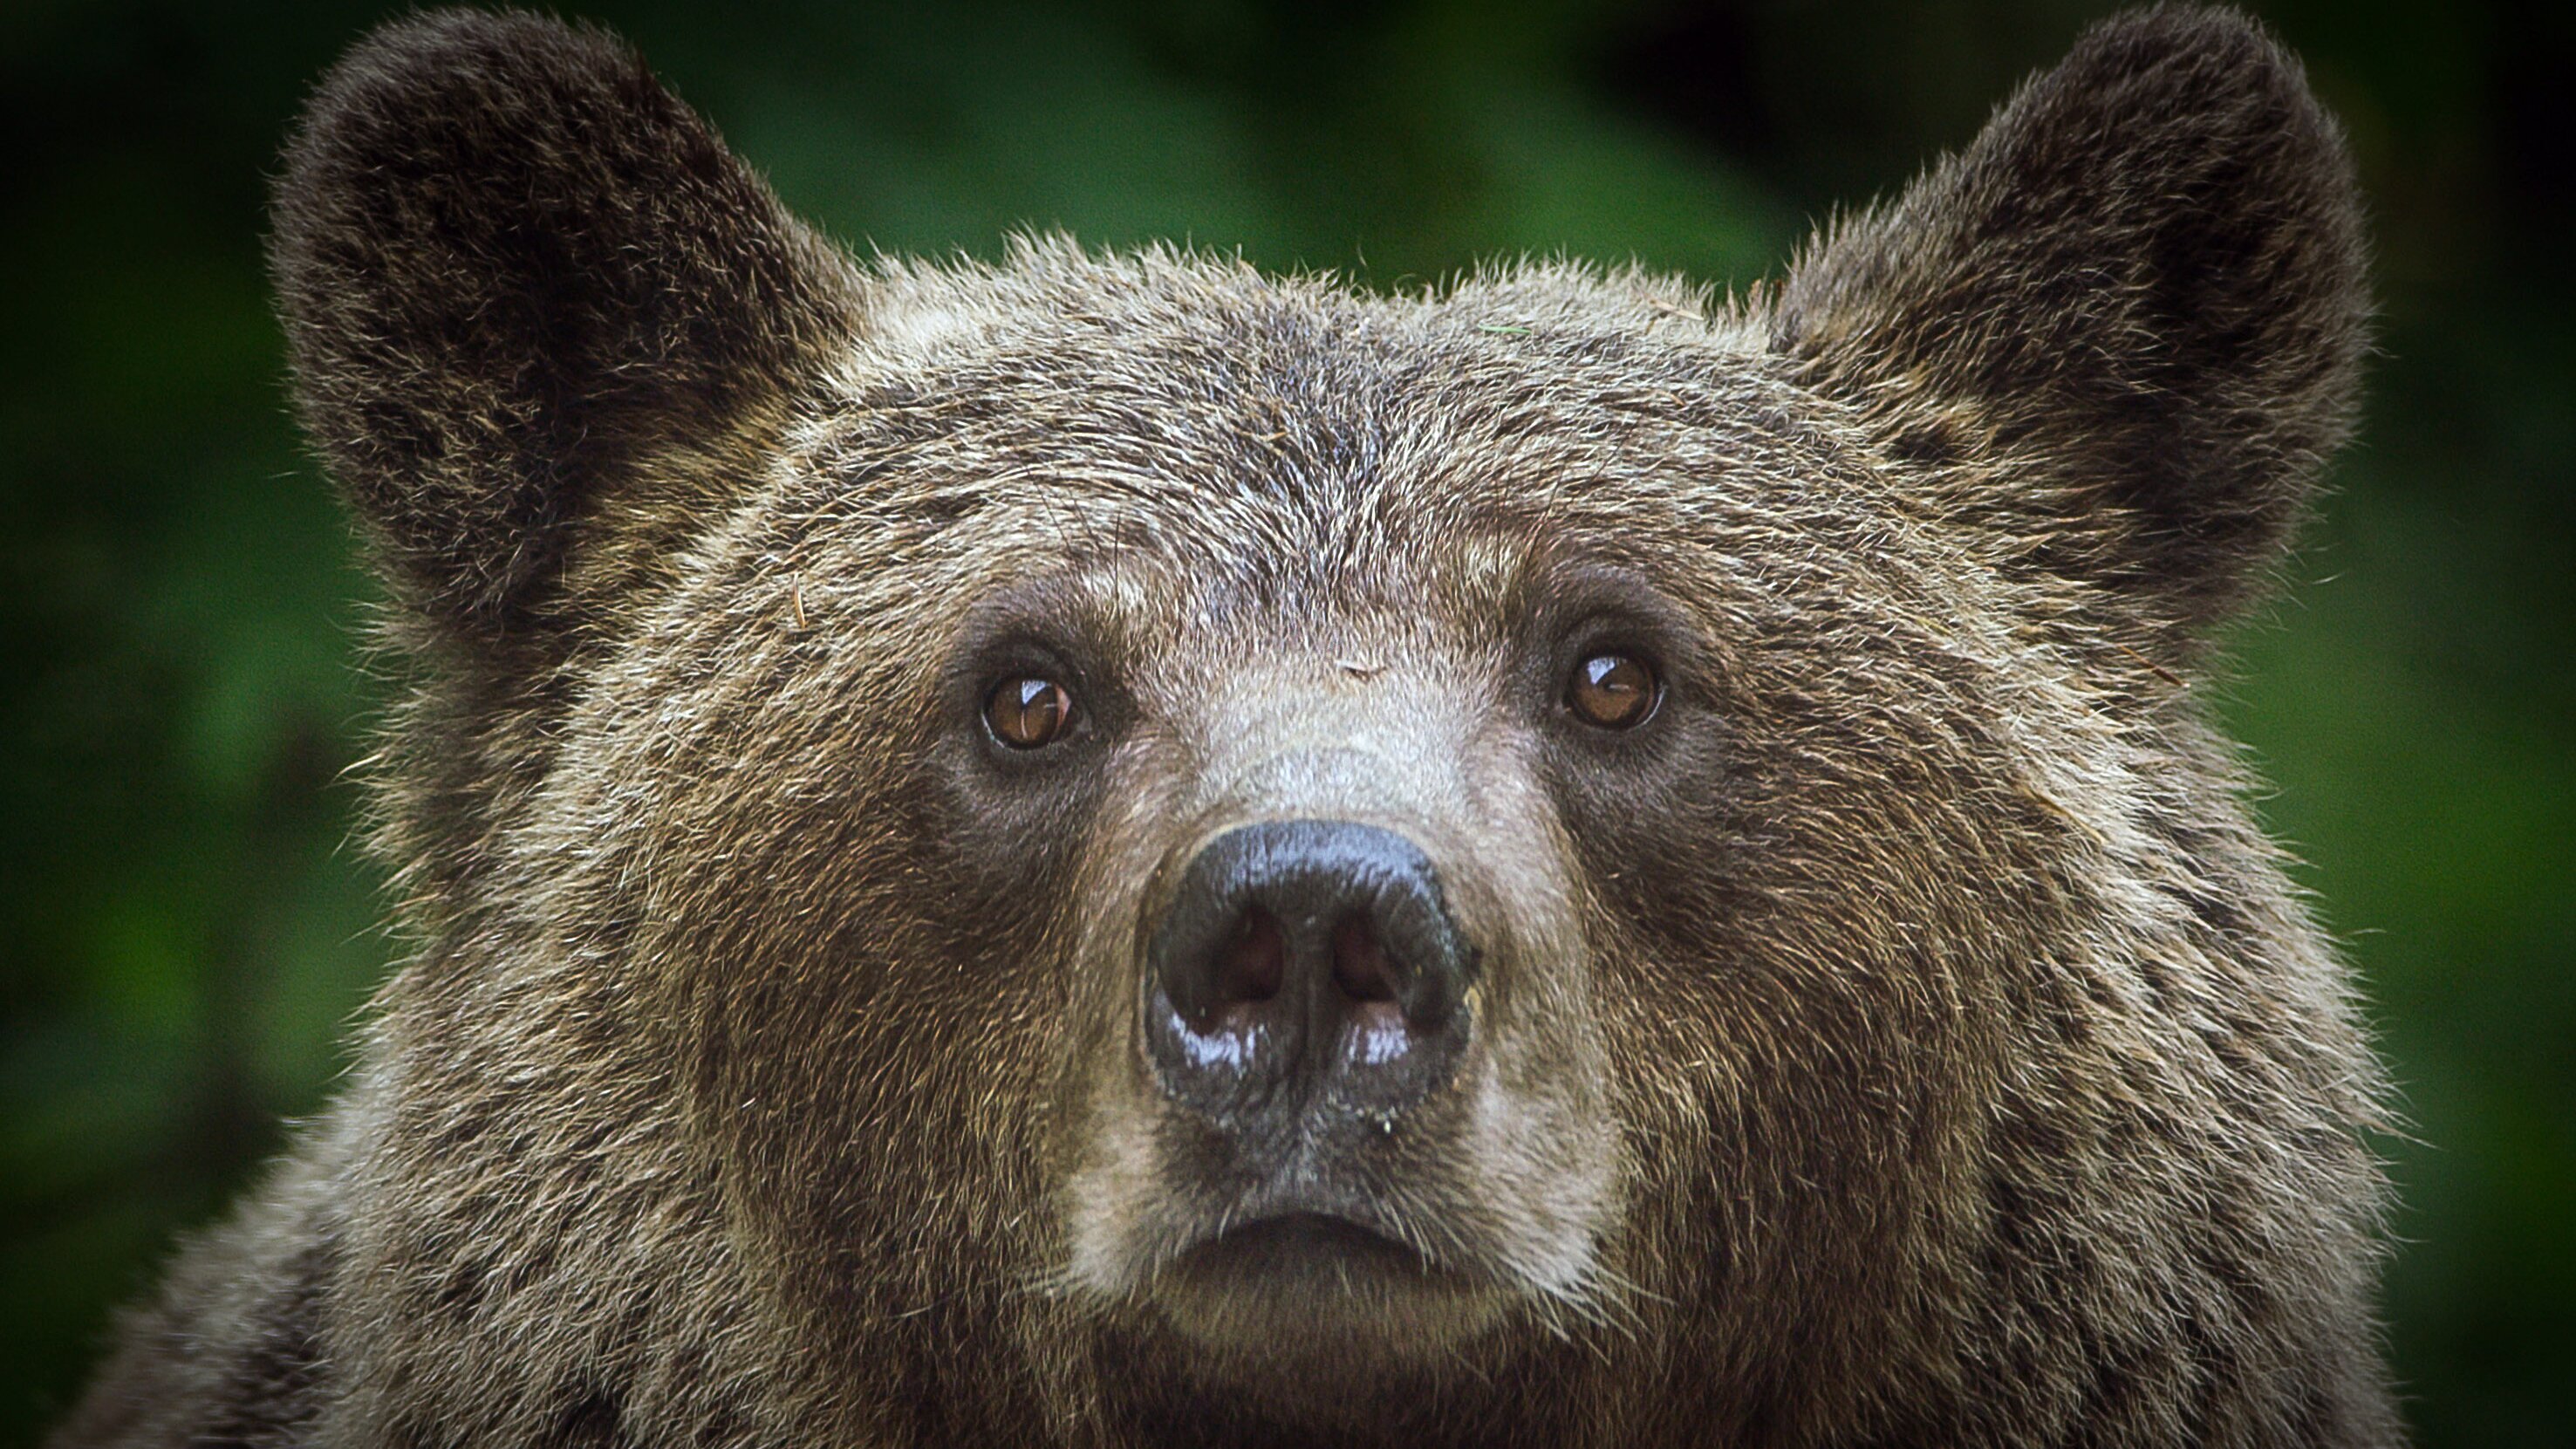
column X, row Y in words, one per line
column 187, row 935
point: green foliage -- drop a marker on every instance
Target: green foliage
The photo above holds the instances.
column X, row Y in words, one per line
column 188, row 936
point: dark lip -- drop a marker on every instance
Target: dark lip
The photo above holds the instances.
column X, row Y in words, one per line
column 1302, row 1239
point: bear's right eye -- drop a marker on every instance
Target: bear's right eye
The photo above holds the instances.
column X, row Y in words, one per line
column 1028, row 712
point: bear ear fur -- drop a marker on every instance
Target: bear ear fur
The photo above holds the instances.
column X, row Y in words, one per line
column 520, row 278
column 2124, row 328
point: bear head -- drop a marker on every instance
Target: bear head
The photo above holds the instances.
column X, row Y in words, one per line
column 1110, row 839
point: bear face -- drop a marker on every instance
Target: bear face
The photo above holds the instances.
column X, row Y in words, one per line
column 1752, row 975
column 1112, row 849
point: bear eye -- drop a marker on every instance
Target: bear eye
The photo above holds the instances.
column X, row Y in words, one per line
column 1028, row 712
column 1613, row 691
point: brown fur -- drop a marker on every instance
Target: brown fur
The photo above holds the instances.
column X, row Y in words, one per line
column 1904, row 1038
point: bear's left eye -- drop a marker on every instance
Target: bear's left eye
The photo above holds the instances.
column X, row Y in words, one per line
column 1028, row 712
column 1613, row 691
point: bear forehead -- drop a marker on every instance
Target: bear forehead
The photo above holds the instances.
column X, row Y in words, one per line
column 1167, row 406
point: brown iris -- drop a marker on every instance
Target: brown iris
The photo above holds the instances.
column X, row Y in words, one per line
column 1613, row 691
column 1027, row 712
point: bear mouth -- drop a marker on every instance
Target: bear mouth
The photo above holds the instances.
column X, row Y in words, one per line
column 1293, row 1243
column 1312, row 1228
column 1307, row 1296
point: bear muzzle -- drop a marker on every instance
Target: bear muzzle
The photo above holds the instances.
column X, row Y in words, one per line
column 1359, row 1114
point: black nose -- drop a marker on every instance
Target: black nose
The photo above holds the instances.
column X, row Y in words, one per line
column 1306, row 962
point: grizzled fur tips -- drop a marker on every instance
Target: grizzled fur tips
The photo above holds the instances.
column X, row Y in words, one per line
column 1108, row 850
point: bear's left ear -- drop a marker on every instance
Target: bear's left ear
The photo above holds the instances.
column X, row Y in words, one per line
column 2124, row 328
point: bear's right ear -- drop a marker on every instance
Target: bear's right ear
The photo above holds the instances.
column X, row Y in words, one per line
column 519, row 278
column 2124, row 328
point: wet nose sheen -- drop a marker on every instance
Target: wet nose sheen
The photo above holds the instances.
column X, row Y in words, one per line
column 1306, row 963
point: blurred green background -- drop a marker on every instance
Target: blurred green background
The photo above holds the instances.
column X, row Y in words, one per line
column 186, row 932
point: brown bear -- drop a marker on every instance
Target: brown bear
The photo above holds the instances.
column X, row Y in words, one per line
column 1111, row 850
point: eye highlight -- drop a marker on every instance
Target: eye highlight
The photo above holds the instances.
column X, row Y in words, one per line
column 1613, row 691
column 1028, row 712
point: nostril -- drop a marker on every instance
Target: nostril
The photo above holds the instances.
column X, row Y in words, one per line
column 1359, row 963
column 1253, row 965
